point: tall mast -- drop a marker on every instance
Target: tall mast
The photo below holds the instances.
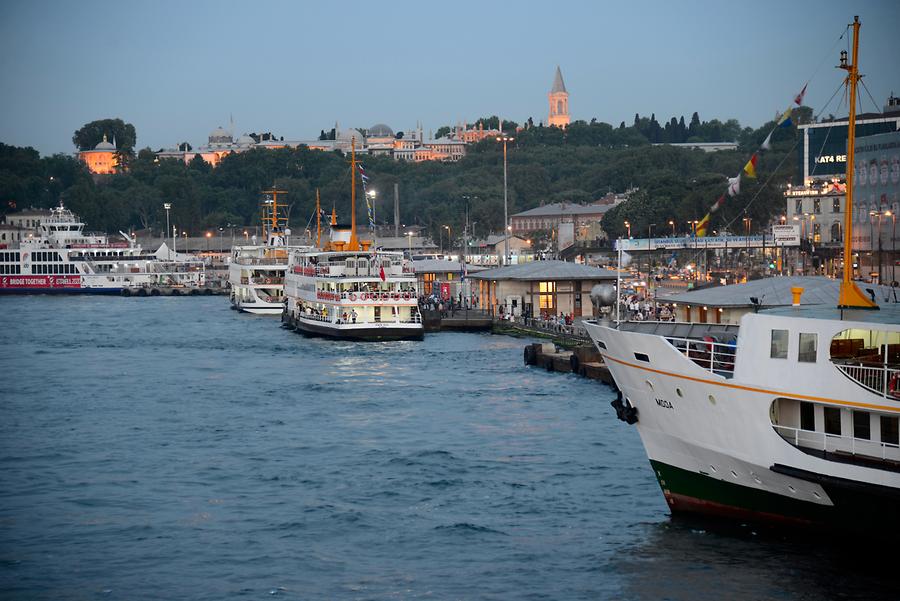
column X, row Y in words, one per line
column 851, row 296
column 354, row 242
column 318, row 221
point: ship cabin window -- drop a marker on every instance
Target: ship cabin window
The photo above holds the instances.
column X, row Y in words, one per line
column 350, row 264
column 779, row 349
column 807, row 351
column 807, row 416
column 832, row 417
column 890, row 433
column 862, row 425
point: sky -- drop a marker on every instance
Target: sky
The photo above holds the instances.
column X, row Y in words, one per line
column 178, row 69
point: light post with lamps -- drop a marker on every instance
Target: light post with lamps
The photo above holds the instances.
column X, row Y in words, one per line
column 167, row 206
column 628, row 225
column 893, row 217
column 208, row 236
column 449, row 241
column 409, row 240
column 672, row 223
column 505, row 139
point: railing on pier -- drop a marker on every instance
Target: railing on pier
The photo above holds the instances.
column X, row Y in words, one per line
column 716, row 357
column 842, row 445
column 883, row 380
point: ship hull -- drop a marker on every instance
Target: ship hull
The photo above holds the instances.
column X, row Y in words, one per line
column 66, row 291
column 367, row 333
column 857, row 509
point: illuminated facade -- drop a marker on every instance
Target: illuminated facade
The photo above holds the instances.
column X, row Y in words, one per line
column 102, row 160
column 559, row 102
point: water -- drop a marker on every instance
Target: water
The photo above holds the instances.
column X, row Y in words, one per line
column 170, row 448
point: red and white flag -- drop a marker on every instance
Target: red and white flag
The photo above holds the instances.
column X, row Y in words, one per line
column 798, row 100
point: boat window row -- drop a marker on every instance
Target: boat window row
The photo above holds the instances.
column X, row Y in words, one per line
column 61, row 269
column 9, row 257
column 7, row 269
column 45, row 256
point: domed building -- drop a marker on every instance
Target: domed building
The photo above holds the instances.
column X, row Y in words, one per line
column 219, row 138
column 346, row 136
column 102, row 160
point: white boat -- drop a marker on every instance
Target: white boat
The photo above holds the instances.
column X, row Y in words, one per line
column 256, row 272
column 797, row 423
column 63, row 258
column 351, row 290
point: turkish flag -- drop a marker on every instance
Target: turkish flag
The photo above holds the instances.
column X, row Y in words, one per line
column 381, row 274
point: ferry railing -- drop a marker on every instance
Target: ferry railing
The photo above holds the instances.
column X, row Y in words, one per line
column 261, row 260
column 835, row 443
column 263, row 281
column 883, row 380
column 716, row 357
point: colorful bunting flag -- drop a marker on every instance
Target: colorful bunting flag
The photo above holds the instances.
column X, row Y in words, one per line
column 703, row 226
column 767, row 143
column 370, row 208
column 798, row 99
column 718, row 204
column 784, row 118
column 750, row 167
column 734, row 185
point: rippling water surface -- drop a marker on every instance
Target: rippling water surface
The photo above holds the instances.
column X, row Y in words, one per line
column 169, row 448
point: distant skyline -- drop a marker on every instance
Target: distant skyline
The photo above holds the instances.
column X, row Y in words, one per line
column 177, row 70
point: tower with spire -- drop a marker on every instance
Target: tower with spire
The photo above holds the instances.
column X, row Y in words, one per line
column 559, row 102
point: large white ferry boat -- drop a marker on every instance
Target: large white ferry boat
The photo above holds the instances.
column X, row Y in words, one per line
column 62, row 258
column 351, row 290
column 797, row 423
column 256, row 272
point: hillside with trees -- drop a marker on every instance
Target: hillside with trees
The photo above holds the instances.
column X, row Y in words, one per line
column 546, row 165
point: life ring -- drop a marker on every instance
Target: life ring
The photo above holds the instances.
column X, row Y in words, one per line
column 406, row 296
column 893, row 388
column 352, row 296
column 395, row 296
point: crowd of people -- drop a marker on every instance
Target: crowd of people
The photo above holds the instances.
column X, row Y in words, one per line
column 637, row 307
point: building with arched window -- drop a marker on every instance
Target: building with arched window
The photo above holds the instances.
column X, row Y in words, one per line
column 559, row 102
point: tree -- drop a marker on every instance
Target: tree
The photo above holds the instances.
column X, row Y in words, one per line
column 442, row 131
column 92, row 134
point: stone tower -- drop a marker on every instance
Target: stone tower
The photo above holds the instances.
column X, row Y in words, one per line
column 559, row 102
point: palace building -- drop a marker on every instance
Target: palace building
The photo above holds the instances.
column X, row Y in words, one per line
column 559, row 102
column 102, row 159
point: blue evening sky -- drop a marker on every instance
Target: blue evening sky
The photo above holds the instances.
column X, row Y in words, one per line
column 178, row 69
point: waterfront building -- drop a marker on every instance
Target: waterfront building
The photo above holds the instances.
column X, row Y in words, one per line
column 28, row 220
column 704, row 146
column 102, row 160
column 559, row 102
column 540, row 287
column 444, row 278
column 548, row 217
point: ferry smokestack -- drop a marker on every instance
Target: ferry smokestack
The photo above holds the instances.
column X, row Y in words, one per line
column 796, row 292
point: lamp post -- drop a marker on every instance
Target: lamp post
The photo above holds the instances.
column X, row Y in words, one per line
column 628, row 225
column 167, row 206
column 672, row 223
column 409, row 240
column 649, row 249
column 208, row 236
column 505, row 139
column 893, row 216
column 449, row 241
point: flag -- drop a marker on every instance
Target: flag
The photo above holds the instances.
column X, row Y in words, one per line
column 381, row 274
column 798, row 99
column 767, row 143
column 785, row 119
column 703, row 226
column 12, row 204
column 750, row 167
column 370, row 208
column 718, row 204
column 734, row 185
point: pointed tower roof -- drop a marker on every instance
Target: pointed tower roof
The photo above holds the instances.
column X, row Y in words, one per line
column 558, row 85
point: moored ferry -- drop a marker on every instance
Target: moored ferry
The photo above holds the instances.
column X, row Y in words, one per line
column 63, row 258
column 256, row 272
column 351, row 290
column 798, row 423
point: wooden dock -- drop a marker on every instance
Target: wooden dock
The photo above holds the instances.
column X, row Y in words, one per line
column 583, row 360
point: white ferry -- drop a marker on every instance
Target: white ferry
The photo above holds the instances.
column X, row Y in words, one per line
column 62, row 258
column 256, row 272
column 796, row 424
column 351, row 290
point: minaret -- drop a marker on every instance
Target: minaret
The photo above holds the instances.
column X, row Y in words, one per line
column 559, row 102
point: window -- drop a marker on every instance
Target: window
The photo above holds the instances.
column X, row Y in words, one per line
column 861, row 425
column 889, row 430
column 807, row 351
column 832, row 420
column 836, row 205
column 817, row 206
column 546, row 294
column 798, row 206
column 779, row 348
column 807, row 416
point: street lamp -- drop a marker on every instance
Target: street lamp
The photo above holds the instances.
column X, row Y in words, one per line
column 893, row 216
column 449, row 242
column 167, row 206
column 505, row 139
column 672, row 223
column 409, row 240
column 628, row 225
column 208, row 236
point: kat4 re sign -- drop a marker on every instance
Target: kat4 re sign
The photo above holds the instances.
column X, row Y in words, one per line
column 831, row 158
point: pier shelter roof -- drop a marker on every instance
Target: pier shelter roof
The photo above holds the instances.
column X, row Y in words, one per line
column 546, row 271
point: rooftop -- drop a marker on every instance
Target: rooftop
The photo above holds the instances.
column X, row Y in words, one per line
column 772, row 292
column 563, row 208
column 558, row 84
column 546, row 271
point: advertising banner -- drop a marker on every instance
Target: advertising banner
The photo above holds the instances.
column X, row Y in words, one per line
column 40, row 281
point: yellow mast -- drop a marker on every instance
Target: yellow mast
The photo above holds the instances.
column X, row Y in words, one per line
column 851, row 296
column 354, row 242
column 318, row 221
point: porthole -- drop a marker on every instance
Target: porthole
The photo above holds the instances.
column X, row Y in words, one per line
column 679, row 393
column 712, row 399
column 713, row 468
column 734, row 474
column 649, row 384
